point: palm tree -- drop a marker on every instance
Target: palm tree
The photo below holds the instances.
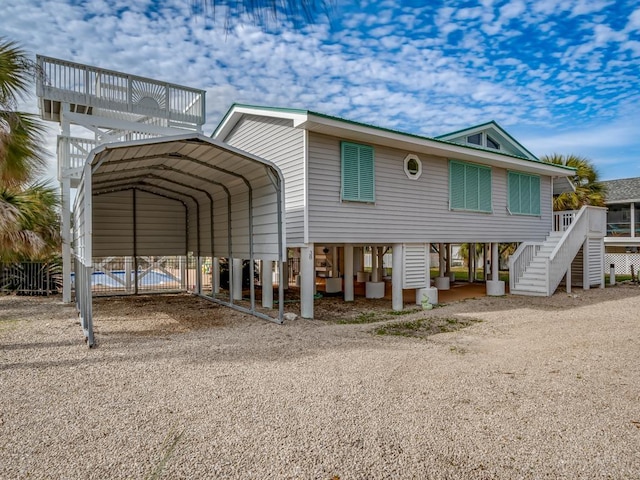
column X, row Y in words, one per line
column 28, row 209
column 589, row 191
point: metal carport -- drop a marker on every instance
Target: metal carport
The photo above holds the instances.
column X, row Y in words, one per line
column 232, row 206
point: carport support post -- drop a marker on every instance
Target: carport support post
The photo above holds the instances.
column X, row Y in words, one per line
column 307, row 280
column 199, row 275
column 237, row 278
column 182, row 264
column 396, row 277
column 267, row 283
column 215, row 268
column 348, row 273
column 127, row 274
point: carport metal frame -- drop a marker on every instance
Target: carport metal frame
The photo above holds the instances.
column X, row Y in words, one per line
column 153, row 182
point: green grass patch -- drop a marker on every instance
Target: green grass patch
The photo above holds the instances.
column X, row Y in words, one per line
column 364, row 317
column 372, row 317
column 425, row 327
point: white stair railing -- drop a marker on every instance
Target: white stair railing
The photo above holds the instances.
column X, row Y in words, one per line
column 559, row 261
column 520, row 260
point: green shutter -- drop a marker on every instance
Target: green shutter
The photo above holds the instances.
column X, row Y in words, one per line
column 524, row 193
column 469, row 187
column 367, row 176
column 535, row 195
column 456, row 185
column 484, row 189
column 514, row 192
column 358, row 172
column 472, row 184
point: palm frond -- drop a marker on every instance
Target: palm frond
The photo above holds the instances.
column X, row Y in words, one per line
column 15, row 73
column 22, row 153
column 589, row 190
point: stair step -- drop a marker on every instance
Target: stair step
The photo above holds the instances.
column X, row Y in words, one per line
column 530, row 293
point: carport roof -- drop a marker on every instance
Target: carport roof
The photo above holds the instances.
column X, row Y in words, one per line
column 191, row 163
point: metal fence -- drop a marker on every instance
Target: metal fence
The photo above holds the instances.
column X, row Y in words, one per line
column 144, row 274
column 31, row 278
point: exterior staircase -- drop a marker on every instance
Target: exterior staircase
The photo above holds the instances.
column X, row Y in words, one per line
column 537, row 268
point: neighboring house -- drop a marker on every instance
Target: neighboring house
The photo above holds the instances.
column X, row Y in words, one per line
column 350, row 185
column 622, row 243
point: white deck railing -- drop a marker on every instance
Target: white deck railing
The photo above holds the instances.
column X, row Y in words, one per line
column 562, row 220
column 74, row 83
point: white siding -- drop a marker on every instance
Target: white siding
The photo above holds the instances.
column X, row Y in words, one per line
column 277, row 141
column 408, row 210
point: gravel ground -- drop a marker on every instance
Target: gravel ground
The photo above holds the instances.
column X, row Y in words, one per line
column 181, row 388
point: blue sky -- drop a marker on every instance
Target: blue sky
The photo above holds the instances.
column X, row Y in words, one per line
column 561, row 77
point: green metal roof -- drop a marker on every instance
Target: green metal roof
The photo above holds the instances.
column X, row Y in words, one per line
column 388, row 130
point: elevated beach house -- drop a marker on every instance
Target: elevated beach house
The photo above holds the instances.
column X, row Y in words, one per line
column 160, row 207
column 351, row 186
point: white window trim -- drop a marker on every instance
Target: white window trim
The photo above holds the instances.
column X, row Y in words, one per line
column 407, row 159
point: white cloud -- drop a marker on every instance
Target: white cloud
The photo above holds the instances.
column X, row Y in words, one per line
column 426, row 70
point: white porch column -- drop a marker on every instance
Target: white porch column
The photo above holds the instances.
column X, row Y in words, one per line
column 495, row 287
column 632, row 212
column 348, row 273
column 375, row 288
column 307, row 280
column 236, row 288
column 215, row 273
column 495, row 262
column 65, row 233
column 442, row 282
column 267, row 283
column 397, row 302
column 374, row 264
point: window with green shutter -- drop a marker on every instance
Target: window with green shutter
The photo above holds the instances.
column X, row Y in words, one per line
column 358, row 172
column 524, row 193
column 469, row 187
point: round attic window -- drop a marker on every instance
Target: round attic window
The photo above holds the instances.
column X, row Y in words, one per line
column 412, row 166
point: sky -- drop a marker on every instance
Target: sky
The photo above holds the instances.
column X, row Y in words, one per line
column 559, row 76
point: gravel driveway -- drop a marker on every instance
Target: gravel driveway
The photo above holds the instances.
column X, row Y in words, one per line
column 181, row 388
